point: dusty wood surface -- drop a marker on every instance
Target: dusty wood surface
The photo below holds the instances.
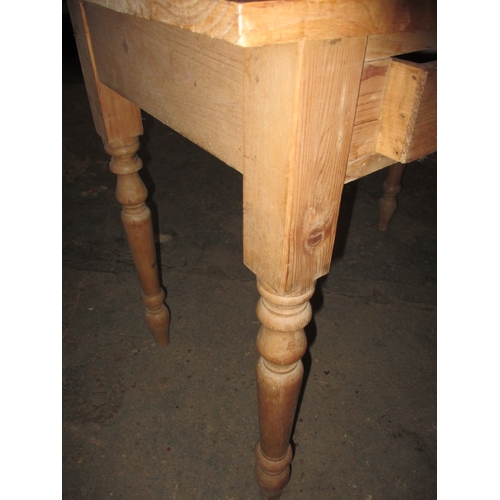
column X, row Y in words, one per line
column 264, row 22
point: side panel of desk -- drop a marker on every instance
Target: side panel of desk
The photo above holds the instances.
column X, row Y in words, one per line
column 190, row 82
column 107, row 126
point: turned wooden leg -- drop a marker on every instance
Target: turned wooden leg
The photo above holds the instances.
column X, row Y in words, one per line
column 389, row 201
column 118, row 122
column 281, row 343
column 136, row 218
column 300, row 103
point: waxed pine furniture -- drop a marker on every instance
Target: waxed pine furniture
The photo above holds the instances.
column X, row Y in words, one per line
column 300, row 97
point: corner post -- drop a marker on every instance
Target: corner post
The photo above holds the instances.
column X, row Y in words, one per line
column 300, row 102
column 118, row 121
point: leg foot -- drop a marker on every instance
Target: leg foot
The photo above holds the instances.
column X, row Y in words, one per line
column 157, row 316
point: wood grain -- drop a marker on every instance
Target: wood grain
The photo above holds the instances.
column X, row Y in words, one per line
column 254, row 23
column 393, row 44
column 122, row 118
column 119, row 123
column 424, row 138
column 366, row 165
column 299, row 111
column 192, row 83
column 290, row 93
column 408, row 128
column 281, row 343
column 369, row 109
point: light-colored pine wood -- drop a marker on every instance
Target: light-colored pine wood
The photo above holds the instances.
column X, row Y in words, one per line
column 183, row 85
column 281, row 343
column 136, row 218
column 254, row 23
column 369, row 109
column 299, row 111
column 119, row 123
column 424, row 136
column 408, row 128
column 291, row 94
column 388, row 45
column 110, row 125
column 192, row 83
column 300, row 101
column 366, row 165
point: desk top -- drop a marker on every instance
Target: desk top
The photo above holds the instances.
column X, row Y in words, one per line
column 254, row 23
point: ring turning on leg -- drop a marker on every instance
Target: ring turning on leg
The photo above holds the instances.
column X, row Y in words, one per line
column 281, row 343
column 136, row 218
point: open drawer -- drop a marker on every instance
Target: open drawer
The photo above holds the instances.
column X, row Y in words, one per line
column 408, row 126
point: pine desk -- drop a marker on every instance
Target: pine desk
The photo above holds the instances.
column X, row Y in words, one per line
column 300, row 97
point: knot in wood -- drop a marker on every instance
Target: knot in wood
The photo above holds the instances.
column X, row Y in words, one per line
column 315, row 237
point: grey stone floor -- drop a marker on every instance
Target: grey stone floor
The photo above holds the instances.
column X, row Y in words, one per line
column 180, row 423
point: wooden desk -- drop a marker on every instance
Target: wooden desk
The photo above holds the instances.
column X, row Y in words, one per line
column 298, row 96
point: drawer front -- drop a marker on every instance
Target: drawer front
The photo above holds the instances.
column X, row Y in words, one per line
column 408, row 125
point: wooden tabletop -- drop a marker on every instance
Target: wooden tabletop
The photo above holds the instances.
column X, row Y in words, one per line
column 254, row 23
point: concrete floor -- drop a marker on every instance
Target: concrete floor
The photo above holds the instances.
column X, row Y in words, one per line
column 180, row 423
